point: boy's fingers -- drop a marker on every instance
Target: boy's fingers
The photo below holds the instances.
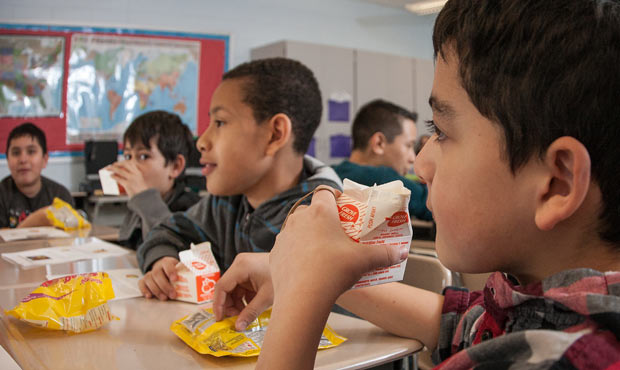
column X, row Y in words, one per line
column 262, row 301
column 223, row 289
column 170, row 268
column 152, row 286
column 164, row 285
column 385, row 255
column 143, row 289
column 324, row 194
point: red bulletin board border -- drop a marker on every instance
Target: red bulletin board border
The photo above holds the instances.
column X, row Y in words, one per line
column 213, row 63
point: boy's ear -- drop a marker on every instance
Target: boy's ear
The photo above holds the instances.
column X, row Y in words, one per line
column 46, row 157
column 377, row 143
column 178, row 165
column 566, row 182
column 281, row 131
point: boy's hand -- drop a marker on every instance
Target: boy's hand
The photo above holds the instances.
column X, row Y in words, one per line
column 312, row 254
column 36, row 218
column 248, row 277
column 129, row 176
column 157, row 282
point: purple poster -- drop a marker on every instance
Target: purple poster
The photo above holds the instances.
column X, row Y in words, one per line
column 339, row 146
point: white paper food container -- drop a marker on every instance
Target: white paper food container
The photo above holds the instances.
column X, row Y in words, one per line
column 377, row 215
column 197, row 274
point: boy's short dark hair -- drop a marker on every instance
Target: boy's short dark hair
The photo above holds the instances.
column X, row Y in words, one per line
column 173, row 137
column 280, row 85
column 542, row 70
column 379, row 116
column 27, row 129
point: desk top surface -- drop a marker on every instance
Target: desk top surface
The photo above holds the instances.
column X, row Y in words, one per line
column 141, row 338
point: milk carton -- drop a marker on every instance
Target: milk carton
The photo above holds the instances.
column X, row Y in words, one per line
column 197, row 274
column 109, row 186
column 377, row 215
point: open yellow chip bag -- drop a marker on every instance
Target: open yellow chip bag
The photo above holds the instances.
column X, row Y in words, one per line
column 206, row 336
column 63, row 216
column 75, row 303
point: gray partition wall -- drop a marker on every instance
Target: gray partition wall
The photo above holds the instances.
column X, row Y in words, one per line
column 349, row 78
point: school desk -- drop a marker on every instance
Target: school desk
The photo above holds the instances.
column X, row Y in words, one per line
column 141, row 339
column 103, row 232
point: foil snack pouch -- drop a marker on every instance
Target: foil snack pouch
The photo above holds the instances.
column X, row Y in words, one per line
column 377, row 215
column 75, row 303
column 206, row 336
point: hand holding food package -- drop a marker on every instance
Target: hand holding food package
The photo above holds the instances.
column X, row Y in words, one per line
column 63, row 216
column 377, row 215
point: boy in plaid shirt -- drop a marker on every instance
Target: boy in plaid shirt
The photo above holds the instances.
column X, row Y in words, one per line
column 522, row 172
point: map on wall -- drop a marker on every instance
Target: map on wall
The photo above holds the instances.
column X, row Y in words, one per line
column 31, row 72
column 113, row 79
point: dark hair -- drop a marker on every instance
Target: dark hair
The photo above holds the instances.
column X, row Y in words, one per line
column 280, row 85
column 542, row 70
column 379, row 116
column 27, row 129
column 173, row 137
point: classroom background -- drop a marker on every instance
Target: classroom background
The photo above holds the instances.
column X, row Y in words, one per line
column 262, row 27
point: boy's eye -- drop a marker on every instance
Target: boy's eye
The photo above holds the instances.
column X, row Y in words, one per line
column 143, row 157
column 431, row 125
column 32, row 151
column 218, row 123
column 127, row 156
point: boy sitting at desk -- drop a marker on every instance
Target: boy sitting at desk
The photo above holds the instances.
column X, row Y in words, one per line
column 523, row 178
column 26, row 191
column 156, row 148
column 263, row 115
column 383, row 140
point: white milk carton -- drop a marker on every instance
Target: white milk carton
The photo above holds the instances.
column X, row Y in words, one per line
column 109, row 186
column 377, row 215
column 197, row 274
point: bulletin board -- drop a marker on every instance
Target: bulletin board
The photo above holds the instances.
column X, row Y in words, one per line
column 85, row 83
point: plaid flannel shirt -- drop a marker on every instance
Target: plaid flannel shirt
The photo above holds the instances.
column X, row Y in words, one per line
column 570, row 320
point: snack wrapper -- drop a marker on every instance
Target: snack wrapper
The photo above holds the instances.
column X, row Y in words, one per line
column 197, row 274
column 63, row 216
column 377, row 215
column 76, row 303
column 206, row 336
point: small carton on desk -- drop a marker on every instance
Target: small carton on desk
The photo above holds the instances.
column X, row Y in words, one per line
column 377, row 215
column 197, row 274
column 108, row 184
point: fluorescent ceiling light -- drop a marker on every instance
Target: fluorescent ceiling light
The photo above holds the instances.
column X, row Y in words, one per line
column 426, row 7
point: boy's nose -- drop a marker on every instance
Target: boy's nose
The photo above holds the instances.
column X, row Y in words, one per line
column 202, row 144
column 423, row 166
column 411, row 157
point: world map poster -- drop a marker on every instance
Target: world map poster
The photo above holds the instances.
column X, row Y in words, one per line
column 31, row 75
column 113, row 79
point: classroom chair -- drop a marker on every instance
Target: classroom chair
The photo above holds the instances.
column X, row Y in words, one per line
column 424, row 270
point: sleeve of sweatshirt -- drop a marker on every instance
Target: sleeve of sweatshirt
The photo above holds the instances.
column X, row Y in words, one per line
column 151, row 208
column 175, row 234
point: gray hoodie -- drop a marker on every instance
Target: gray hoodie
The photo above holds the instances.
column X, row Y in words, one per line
column 230, row 223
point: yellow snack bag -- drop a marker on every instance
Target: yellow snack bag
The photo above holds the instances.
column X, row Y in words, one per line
column 76, row 303
column 63, row 216
column 206, row 336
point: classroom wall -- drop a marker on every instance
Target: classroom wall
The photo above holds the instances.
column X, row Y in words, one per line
column 250, row 23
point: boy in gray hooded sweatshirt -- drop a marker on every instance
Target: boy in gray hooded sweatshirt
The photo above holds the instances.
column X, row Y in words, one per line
column 262, row 118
